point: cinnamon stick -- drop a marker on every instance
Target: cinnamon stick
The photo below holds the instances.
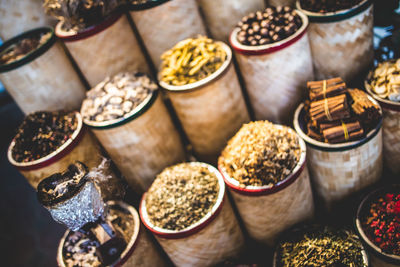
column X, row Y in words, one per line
column 325, row 88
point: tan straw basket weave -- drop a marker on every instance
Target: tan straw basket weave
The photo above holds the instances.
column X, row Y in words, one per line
column 281, row 2
column 213, row 239
column 275, row 74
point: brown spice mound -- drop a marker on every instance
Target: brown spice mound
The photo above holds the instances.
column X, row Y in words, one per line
column 261, row 153
column 181, row 195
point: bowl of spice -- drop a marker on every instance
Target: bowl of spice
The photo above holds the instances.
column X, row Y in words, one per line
column 342, row 130
column 341, row 37
column 378, row 225
column 47, row 142
column 190, row 215
column 204, row 90
column 129, row 118
column 383, row 83
column 266, row 43
column 24, row 64
column 314, row 245
column 264, row 167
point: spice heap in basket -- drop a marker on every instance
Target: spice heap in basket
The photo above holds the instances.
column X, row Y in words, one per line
column 337, row 114
column 385, row 80
column 321, row 247
column 271, row 25
column 325, row 6
column 117, row 97
column 42, row 133
column 192, row 60
column 261, row 153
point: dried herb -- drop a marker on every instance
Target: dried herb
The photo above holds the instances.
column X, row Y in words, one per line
column 116, row 97
column 181, row 195
column 381, row 223
column 325, row 6
column 385, row 80
column 321, row 247
column 261, row 153
column 42, row 133
column 191, row 60
column 270, row 26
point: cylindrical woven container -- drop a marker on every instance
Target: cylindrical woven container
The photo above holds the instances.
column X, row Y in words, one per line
column 281, row 2
column 162, row 24
column 211, row 110
column 105, row 49
column 275, row 74
column 222, row 16
column 267, row 211
column 36, row 81
column 17, row 17
column 82, row 147
column 140, row 250
column 143, row 143
column 377, row 256
column 339, row 170
column 342, row 42
column 211, row 240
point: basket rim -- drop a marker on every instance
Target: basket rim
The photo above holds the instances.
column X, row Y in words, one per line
column 147, row 5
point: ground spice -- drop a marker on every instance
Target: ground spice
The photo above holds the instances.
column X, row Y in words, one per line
column 321, row 247
column 261, row 153
column 191, row 60
column 42, row 133
column 381, row 223
column 325, row 6
column 181, row 195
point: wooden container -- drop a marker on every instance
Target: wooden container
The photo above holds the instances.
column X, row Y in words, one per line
column 211, row 240
column 377, row 256
column 340, row 170
column 211, row 110
column 267, row 211
column 105, row 49
column 162, row 24
column 36, row 81
column 143, row 143
column 342, row 42
column 222, row 16
column 140, row 250
column 80, row 147
column 275, row 74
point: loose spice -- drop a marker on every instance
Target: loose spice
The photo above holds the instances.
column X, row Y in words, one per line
column 261, row 153
column 385, row 80
column 116, row 97
column 181, row 195
column 322, row 247
column 271, row 25
column 42, row 133
column 325, row 6
column 192, row 60
column 381, row 223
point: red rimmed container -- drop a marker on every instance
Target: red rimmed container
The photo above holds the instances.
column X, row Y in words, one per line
column 140, row 250
column 213, row 239
column 377, row 256
column 104, row 49
column 275, row 74
column 342, row 41
column 82, row 147
column 267, row 211
column 162, row 23
column 341, row 170
column 211, row 110
column 35, row 81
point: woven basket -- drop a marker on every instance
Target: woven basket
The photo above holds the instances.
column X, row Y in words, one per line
column 281, row 2
column 165, row 24
column 340, row 170
column 342, row 42
column 143, row 143
column 211, row 240
column 275, row 74
column 268, row 211
column 222, row 16
column 82, row 147
column 211, row 110
column 105, row 49
column 140, row 251
column 36, row 82
column 17, row 17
